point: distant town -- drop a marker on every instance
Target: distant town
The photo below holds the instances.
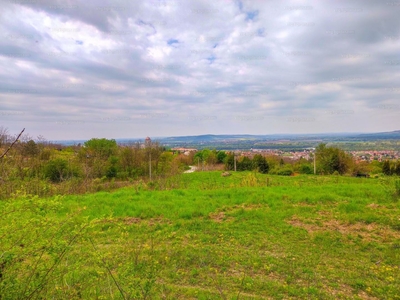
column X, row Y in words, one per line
column 307, row 154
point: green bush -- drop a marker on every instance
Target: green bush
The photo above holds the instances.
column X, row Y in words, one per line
column 56, row 170
column 306, row 169
column 59, row 169
column 285, row 172
column 111, row 172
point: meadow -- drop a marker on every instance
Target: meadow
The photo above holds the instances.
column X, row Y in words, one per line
column 204, row 236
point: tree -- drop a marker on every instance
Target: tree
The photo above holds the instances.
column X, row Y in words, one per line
column 281, row 162
column 102, row 148
column 331, row 159
column 306, row 169
column 165, row 163
column 13, row 143
column 212, row 157
column 386, row 168
column 397, row 168
column 30, row 148
column 229, row 162
column 260, row 163
column 221, row 156
column 56, row 170
column 244, row 164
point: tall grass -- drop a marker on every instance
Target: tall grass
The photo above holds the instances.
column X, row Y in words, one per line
column 204, row 236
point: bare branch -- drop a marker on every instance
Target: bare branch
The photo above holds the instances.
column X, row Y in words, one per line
column 4, row 154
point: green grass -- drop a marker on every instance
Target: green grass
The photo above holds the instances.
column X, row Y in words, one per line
column 213, row 237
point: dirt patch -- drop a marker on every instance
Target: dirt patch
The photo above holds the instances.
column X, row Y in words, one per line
column 364, row 295
column 370, row 231
column 219, row 217
column 324, row 213
column 375, row 206
column 131, row 220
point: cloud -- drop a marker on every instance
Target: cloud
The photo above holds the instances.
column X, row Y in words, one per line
column 195, row 67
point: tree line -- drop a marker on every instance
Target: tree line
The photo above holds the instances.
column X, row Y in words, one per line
column 37, row 166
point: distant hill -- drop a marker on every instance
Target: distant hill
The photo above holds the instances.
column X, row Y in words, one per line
column 247, row 141
column 391, row 135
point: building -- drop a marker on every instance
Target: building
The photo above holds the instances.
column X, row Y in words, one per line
column 185, row 151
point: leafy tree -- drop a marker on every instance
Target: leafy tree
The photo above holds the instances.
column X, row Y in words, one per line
column 111, row 172
column 212, row 157
column 165, row 163
column 244, row 164
column 221, row 156
column 386, row 168
column 56, row 170
column 30, row 148
column 198, row 157
column 306, row 169
column 260, row 163
column 281, row 162
column 331, row 159
column 397, row 168
column 102, row 148
column 229, row 161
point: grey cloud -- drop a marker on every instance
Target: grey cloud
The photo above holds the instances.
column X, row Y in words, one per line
column 248, row 63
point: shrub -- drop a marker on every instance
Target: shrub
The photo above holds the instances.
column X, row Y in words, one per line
column 111, row 172
column 285, row 172
column 56, row 170
column 306, row 169
column 260, row 163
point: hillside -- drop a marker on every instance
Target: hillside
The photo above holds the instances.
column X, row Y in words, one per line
column 246, row 236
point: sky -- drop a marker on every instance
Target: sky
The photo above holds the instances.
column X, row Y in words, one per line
column 130, row 69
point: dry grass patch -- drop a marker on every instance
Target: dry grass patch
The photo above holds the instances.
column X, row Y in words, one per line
column 371, row 232
column 219, row 217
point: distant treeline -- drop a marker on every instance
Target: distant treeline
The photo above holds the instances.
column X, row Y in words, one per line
column 42, row 168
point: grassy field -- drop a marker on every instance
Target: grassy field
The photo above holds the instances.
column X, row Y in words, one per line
column 246, row 236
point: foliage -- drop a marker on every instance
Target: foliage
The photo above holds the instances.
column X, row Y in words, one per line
column 57, row 170
column 260, row 163
column 397, row 168
column 229, row 162
column 286, row 171
column 386, row 168
column 331, row 159
column 306, row 169
column 221, row 155
column 244, row 164
column 102, row 148
column 30, row 148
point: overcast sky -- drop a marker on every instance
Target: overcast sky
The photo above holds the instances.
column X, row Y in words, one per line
column 122, row 69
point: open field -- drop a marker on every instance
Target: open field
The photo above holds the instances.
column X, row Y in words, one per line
column 246, row 236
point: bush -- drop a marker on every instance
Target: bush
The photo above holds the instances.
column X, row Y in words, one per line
column 306, row 169
column 285, row 172
column 111, row 172
column 260, row 163
column 56, row 170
